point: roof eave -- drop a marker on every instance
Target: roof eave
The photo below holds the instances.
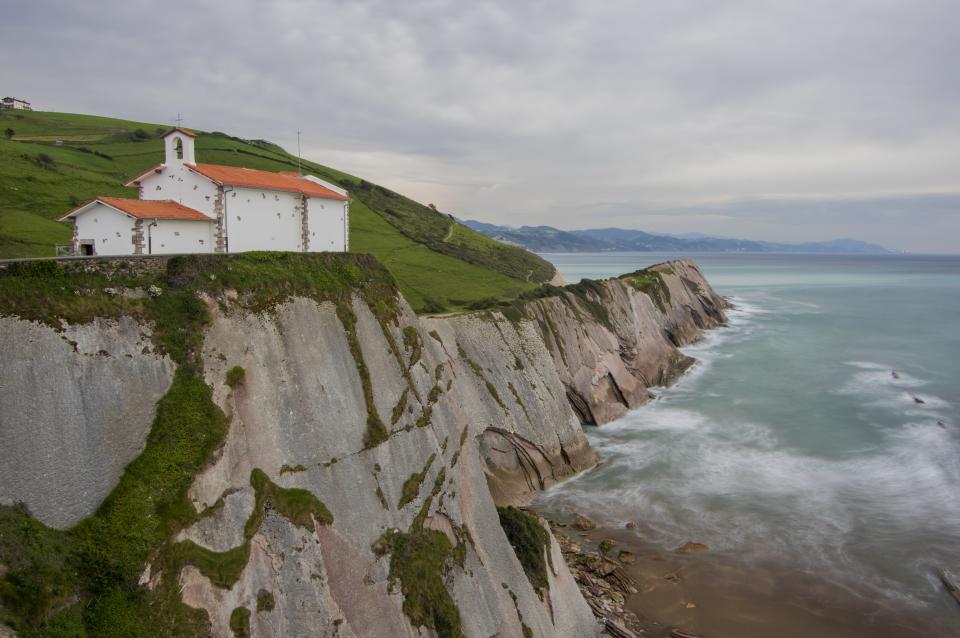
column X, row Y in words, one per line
column 177, row 129
column 335, row 196
column 79, row 209
column 139, row 178
column 195, row 169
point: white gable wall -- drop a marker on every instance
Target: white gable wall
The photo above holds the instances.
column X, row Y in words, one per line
column 262, row 220
column 256, row 219
column 176, row 236
column 110, row 230
column 327, row 219
column 180, row 184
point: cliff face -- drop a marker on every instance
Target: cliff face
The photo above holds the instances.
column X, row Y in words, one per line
column 613, row 340
column 353, row 492
column 75, row 408
column 300, row 416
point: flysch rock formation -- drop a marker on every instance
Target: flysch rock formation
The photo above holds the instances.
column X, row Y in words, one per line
column 608, row 359
column 479, row 411
column 298, row 416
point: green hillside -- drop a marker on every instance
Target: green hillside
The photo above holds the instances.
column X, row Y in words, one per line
column 439, row 264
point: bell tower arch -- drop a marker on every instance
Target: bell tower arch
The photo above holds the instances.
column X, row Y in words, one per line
column 178, row 146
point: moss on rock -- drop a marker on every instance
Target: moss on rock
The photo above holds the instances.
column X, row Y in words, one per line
column 297, row 505
column 235, row 376
column 376, row 432
column 240, row 622
column 265, row 601
column 419, row 561
column 398, row 408
column 530, row 543
column 411, row 341
column 411, row 487
column 292, row 469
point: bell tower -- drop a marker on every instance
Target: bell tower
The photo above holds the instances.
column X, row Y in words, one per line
column 178, row 144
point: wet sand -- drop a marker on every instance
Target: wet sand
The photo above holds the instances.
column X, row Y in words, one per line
column 714, row 595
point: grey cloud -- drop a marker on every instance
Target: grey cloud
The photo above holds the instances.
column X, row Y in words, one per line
column 757, row 117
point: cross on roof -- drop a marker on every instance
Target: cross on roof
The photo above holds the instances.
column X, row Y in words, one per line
column 179, row 120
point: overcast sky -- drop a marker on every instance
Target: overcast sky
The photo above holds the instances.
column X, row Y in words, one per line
column 773, row 120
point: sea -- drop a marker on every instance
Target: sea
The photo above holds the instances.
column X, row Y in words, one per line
column 817, row 437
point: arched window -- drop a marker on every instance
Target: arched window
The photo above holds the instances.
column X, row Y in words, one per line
column 179, row 148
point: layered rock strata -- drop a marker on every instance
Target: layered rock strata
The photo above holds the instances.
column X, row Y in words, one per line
column 406, row 431
column 613, row 340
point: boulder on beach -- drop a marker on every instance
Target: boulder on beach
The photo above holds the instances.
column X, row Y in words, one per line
column 583, row 523
column 626, row 557
column 692, row 548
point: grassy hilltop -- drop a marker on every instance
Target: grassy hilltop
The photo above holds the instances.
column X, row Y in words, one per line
column 438, row 263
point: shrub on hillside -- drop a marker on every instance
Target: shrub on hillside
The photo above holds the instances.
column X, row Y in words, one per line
column 45, row 161
column 432, row 305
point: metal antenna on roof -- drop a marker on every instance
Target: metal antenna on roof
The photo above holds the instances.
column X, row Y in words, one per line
column 299, row 170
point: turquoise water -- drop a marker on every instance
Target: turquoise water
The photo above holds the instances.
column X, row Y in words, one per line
column 799, row 437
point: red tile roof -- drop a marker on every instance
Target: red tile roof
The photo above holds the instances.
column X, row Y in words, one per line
column 147, row 209
column 252, row 178
column 177, row 129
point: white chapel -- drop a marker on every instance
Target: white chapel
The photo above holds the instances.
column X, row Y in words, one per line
column 186, row 207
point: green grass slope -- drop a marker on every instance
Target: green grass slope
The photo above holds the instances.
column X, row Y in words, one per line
column 439, row 264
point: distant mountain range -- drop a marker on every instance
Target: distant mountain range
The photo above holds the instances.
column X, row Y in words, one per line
column 546, row 239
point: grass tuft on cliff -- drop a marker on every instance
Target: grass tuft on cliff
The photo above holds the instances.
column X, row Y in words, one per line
column 438, row 263
column 298, row 506
column 88, row 586
column 420, row 560
column 587, row 297
column 651, row 282
column 530, row 543
column 411, row 487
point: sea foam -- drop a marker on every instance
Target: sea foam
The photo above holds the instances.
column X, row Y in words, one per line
column 682, row 472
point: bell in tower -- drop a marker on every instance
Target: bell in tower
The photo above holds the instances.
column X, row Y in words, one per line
column 178, row 144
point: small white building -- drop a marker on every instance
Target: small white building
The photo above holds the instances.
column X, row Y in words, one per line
column 186, row 207
column 13, row 103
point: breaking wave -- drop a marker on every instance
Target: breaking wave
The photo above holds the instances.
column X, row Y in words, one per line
column 877, row 510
